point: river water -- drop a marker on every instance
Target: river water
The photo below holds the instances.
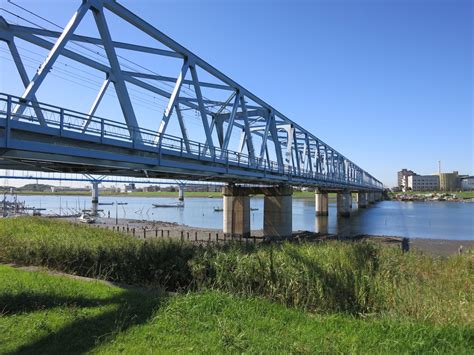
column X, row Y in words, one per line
column 436, row 220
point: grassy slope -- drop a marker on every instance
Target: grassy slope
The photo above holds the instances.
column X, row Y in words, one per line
column 53, row 314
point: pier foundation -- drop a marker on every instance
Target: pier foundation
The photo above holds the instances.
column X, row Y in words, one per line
column 277, row 212
column 343, row 203
column 321, row 203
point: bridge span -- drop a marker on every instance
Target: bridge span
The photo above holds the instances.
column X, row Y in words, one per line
column 273, row 152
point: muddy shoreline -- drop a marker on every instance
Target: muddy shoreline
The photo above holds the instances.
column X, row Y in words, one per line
column 157, row 229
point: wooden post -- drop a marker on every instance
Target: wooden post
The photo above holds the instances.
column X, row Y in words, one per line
column 195, row 236
column 133, row 231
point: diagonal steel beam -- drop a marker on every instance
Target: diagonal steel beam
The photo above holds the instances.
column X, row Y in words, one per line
column 230, row 124
column 172, row 102
column 96, row 103
column 182, row 126
column 248, row 133
column 44, row 69
column 202, row 109
column 24, row 78
column 119, row 82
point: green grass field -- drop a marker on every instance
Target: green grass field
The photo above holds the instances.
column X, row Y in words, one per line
column 311, row 297
column 53, row 314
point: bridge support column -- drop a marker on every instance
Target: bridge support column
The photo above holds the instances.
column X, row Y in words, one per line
column 362, row 199
column 321, row 203
column 277, row 212
column 236, row 212
column 370, row 197
column 343, row 203
column 95, row 192
column 181, row 192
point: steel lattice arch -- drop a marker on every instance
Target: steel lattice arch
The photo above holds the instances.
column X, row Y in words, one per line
column 272, row 148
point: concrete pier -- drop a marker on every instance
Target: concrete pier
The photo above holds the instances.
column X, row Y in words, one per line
column 277, row 212
column 321, row 203
column 236, row 212
column 95, row 192
column 370, row 198
column 362, row 199
column 181, row 192
column 343, row 204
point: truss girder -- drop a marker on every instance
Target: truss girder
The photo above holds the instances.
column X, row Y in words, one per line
column 292, row 146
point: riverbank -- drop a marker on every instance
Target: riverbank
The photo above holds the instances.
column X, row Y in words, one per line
column 158, row 229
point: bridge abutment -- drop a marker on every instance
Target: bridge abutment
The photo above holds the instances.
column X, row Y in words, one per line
column 343, row 203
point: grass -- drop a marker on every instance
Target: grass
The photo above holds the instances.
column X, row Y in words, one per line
column 53, row 314
column 331, row 296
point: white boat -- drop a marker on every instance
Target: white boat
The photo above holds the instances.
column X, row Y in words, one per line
column 177, row 204
column 85, row 218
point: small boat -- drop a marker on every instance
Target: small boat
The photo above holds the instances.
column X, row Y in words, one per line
column 254, row 209
column 85, row 218
column 122, row 203
column 218, row 209
column 178, row 205
column 106, row 204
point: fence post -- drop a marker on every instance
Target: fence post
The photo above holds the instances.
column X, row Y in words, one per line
column 156, row 233
column 182, row 235
column 195, row 236
column 187, row 236
column 144, row 233
column 209, row 236
column 133, row 231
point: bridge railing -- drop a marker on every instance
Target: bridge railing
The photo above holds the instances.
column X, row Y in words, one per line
column 105, row 130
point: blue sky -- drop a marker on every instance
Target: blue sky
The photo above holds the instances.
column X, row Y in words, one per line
column 387, row 83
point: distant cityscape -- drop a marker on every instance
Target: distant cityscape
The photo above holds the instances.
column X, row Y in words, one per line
column 408, row 180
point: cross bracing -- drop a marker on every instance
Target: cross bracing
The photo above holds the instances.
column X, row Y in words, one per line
column 268, row 139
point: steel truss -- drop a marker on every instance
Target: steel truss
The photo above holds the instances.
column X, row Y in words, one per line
column 297, row 151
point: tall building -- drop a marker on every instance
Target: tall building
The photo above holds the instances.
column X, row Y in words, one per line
column 423, row 182
column 402, row 176
column 467, row 183
column 449, row 181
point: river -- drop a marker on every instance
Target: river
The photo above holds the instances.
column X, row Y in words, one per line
column 434, row 220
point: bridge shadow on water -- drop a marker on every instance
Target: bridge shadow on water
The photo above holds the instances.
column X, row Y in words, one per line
column 127, row 309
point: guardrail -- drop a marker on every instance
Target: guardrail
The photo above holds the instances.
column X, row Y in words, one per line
column 105, row 129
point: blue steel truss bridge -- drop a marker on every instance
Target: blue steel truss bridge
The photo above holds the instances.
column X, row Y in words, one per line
column 271, row 149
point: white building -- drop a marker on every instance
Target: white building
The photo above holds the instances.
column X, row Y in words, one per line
column 467, row 183
column 423, row 182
